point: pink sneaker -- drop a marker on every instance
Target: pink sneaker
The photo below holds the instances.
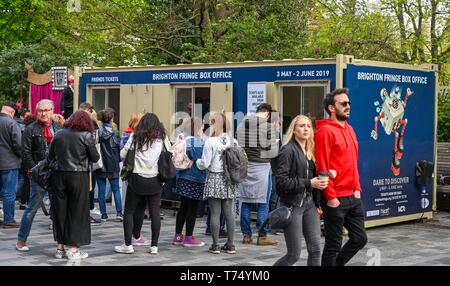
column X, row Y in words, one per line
column 191, row 241
column 178, row 239
column 141, row 241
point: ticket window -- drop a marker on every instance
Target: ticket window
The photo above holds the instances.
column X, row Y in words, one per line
column 192, row 101
column 302, row 99
column 107, row 98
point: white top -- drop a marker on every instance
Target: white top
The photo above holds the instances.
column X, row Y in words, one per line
column 146, row 161
column 212, row 153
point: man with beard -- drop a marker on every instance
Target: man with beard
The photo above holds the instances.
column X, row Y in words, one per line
column 337, row 153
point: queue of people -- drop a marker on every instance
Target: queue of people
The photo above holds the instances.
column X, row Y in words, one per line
column 290, row 173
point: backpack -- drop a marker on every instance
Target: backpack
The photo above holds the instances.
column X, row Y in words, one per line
column 235, row 164
column 180, row 159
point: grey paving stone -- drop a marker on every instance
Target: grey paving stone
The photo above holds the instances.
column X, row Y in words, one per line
column 399, row 244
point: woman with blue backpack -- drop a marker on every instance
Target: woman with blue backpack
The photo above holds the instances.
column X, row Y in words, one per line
column 190, row 181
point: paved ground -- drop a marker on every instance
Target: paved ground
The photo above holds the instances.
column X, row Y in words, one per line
column 411, row 243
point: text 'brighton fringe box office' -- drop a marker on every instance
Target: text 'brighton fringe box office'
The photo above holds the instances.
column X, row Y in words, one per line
column 393, row 111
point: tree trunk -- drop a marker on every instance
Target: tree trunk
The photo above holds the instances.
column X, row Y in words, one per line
column 401, row 22
column 434, row 42
column 419, row 32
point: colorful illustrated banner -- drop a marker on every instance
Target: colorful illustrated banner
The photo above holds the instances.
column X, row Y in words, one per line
column 393, row 116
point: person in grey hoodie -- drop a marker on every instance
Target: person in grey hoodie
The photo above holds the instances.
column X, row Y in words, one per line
column 11, row 153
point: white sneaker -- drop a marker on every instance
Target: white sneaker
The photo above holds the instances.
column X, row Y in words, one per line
column 1, row 213
column 50, row 226
column 95, row 211
column 153, row 250
column 124, row 249
column 24, row 248
column 76, row 255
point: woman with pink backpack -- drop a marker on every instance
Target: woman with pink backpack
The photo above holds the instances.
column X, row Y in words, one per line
column 190, row 180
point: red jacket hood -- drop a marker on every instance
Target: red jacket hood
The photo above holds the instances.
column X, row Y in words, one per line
column 323, row 122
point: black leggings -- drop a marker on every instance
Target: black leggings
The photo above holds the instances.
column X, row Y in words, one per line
column 138, row 218
column 187, row 213
column 135, row 206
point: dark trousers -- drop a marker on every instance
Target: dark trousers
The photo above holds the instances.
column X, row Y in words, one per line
column 70, row 208
column 187, row 213
column 135, row 205
column 349, row 214
column 92, row 193
column 25, row 190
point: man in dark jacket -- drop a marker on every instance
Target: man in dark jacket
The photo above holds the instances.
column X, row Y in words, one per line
column 336, row 152
column 66, row 103
column 10, row 152
column 256, row 135
column 35, row 142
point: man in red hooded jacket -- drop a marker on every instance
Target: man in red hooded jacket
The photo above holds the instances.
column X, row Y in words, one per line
column 336, row 152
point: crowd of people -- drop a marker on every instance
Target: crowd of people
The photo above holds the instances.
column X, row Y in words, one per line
column 85, row 149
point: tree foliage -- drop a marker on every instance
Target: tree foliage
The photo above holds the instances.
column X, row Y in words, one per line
column 143, row 32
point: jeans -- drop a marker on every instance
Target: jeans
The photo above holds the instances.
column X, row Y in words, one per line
column 36, row 195
column 101, row 183
column 262, row 211
column 261, row 215
column 349, row 214
column 8, row 184
column 304, row 222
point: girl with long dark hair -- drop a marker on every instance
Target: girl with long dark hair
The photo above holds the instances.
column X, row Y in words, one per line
column 144, row 183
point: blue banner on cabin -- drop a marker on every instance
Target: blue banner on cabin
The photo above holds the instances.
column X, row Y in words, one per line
column 393, row 117
column 239, row 76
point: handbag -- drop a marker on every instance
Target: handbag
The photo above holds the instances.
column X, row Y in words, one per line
column 166, row 168
column 41, row 174
column 99, row 164
column 279, row 218
column 128, row 163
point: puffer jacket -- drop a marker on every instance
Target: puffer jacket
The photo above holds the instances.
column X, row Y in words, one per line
column 72, row 151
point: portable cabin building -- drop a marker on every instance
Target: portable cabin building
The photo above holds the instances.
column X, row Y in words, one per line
column 393, row 111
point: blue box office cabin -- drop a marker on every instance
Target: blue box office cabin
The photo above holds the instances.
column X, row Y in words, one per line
column 394, row 97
